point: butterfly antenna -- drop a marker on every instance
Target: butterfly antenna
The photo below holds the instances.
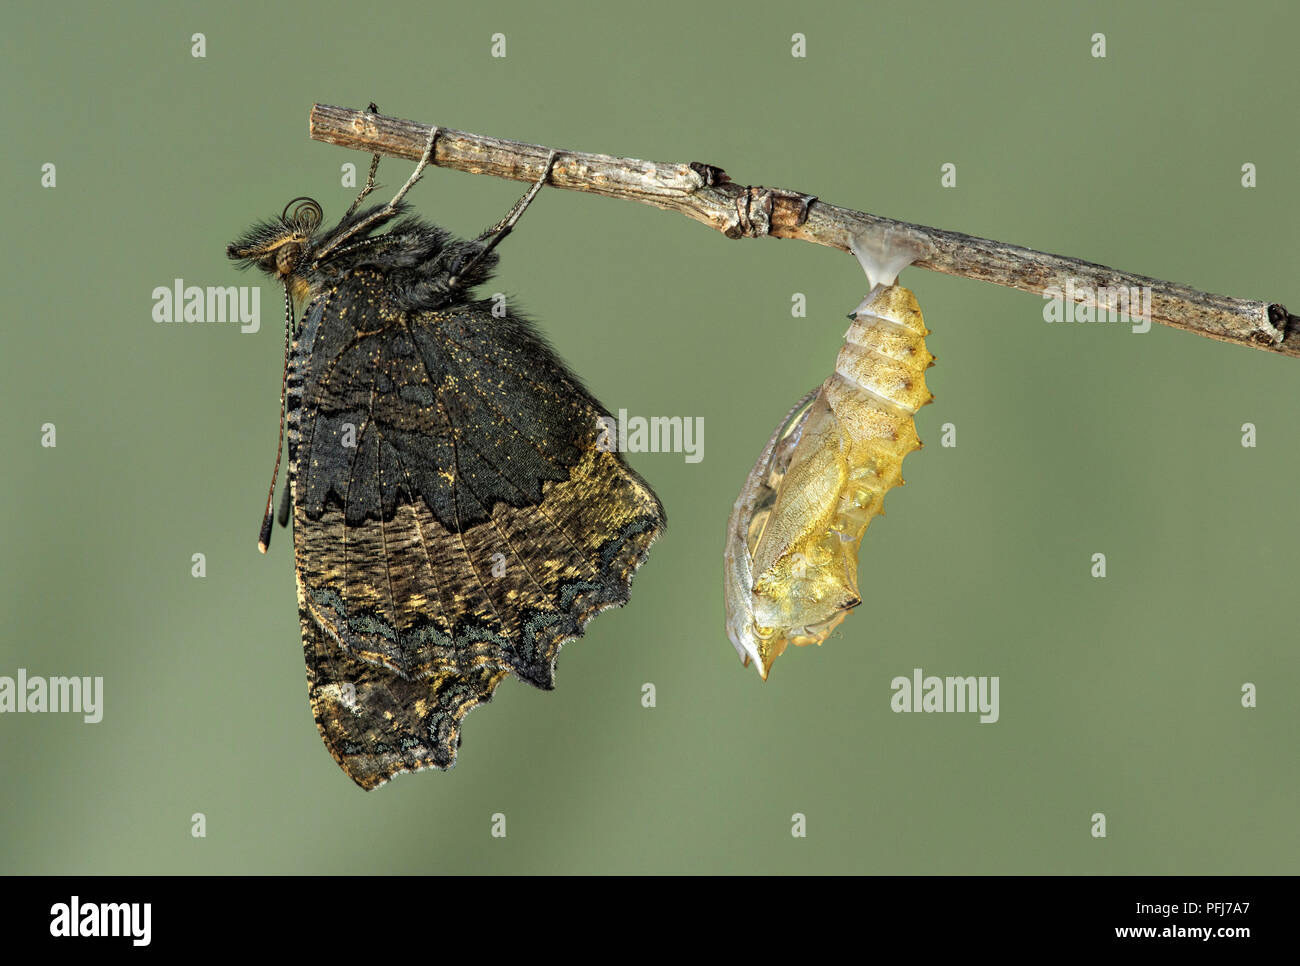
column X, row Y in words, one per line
column 264, row 535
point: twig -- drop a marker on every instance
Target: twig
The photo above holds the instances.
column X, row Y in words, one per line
column 705, row 192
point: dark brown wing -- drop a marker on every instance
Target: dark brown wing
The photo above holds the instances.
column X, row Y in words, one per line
column 454, row 511
column 378, row 724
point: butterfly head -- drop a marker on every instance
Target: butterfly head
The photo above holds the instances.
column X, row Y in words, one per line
column 283, row 246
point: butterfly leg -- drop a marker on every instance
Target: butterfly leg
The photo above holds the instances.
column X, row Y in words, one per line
column 286, row 504
column 418, row 173
column 504, row 226
column 387, row 210
column 370, row 178
column 497, row 233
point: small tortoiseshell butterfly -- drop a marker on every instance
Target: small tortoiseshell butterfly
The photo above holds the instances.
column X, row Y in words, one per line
column 454, row 518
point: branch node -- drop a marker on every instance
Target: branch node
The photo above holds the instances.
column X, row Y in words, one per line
column 790, row 208
column 754, row 208
column 710, row 174
column 1282, row 320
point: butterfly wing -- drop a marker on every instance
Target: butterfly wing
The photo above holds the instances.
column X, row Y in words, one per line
column 455, row 515
column 377, row 723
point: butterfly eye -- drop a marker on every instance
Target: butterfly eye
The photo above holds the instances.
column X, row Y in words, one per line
column 286, row 257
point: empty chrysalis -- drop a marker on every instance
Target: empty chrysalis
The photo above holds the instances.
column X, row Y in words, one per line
column 791, row 558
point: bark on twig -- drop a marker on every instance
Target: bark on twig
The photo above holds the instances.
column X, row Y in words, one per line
column 705, row 193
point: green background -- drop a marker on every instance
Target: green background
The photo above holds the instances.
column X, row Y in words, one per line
column 1119, row 695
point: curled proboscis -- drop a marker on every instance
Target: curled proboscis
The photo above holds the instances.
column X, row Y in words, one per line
column 305, row 217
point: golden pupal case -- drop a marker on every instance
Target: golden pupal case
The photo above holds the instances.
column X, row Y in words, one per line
column 791, row 556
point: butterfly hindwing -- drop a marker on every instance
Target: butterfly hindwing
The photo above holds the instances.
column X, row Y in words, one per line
column 377, row 723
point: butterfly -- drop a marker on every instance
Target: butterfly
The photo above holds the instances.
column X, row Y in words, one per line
column 456, row 513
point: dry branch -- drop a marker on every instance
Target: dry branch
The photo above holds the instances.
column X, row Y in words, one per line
column 705, row 193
